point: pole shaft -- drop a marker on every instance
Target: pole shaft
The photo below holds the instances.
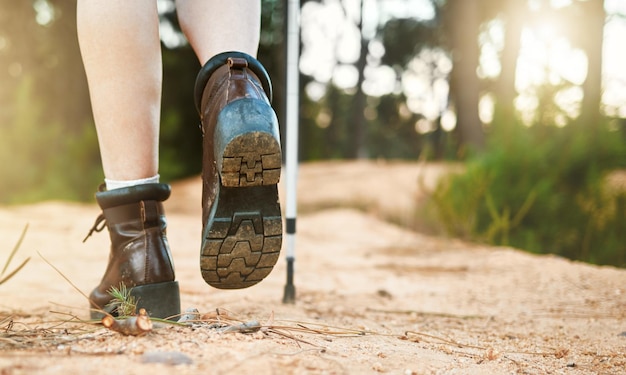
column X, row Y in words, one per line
column 291, row 160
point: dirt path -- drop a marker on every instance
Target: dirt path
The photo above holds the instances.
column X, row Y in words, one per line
column 371, row 297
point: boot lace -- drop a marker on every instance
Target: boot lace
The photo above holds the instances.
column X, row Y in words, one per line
column 98, row 226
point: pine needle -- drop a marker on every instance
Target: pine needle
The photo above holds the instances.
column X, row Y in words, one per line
column 11, row 255
column 14, row 272
column 123, row 301
column 63, row 276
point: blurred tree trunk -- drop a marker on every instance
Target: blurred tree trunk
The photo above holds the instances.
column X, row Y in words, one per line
column 513, row 16
column 358, row 131
column 358, row 135
column 464, row 24
column 593, row 15
column 332, row 146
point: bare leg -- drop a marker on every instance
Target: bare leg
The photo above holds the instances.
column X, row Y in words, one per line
column 119, row 42
column 215, row 26
column 121, row 51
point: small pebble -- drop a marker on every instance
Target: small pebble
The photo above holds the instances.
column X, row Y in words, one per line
column 623, row 334
column 190, row 315
column 167, row 358
column 378, row 367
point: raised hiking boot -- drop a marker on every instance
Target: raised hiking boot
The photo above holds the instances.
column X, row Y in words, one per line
column 140, row 256
column 242, row 227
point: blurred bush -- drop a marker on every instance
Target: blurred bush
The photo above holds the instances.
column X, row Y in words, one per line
column 544, row 189
column 44, row 159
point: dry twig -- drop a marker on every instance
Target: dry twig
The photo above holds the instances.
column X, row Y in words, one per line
column 130, row 326
column 444, row 340
column 245, row 327
column 70, row 282
column 426, row 314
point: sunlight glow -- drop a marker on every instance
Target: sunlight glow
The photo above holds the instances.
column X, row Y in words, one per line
column 547, row 57
column 448, row 120
column 425, row 83
column 527, row 104
column 315, row 90
column 379, row 81
column 44, row 12
column 345, row 76
column 485, row 108
column 614, row 59
column 552, row 61
column 319, row 32
column 569, row 100
column 331, row 46
column 423, row 126
column 491, row 41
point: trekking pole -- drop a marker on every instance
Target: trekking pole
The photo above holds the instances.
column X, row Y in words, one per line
column 291, row 161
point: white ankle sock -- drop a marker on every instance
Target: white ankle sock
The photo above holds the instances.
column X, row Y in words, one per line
column 116, row 184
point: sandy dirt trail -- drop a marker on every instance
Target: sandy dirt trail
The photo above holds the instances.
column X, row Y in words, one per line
column 372, row 297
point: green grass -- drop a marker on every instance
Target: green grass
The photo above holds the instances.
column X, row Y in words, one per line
column 543, row 189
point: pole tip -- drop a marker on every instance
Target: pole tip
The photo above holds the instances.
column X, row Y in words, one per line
column 290, row 294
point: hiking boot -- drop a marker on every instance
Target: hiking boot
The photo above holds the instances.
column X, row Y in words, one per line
column 242, row 225
column 140, row 257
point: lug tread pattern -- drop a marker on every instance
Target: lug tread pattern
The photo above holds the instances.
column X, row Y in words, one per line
column 243, row 235
column 244, row 254
column 252, row 159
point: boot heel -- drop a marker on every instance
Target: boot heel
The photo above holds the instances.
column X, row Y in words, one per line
column 160, row 300
column 243, row 237
column 247, row 144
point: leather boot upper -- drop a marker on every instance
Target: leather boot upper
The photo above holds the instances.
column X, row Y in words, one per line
column 140, row 253
column 225, row 78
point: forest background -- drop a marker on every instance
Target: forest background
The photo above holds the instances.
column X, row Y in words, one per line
column 525, row 95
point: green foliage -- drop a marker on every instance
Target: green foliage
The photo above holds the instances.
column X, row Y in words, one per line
column 181, row 138
column 122, row 301
column 543, row 189
column 325, row 131
column 415, row 34
column 48, row 146
column 42, row 159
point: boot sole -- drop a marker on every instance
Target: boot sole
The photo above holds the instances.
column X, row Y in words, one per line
column 243, row 235
column 160, row 300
